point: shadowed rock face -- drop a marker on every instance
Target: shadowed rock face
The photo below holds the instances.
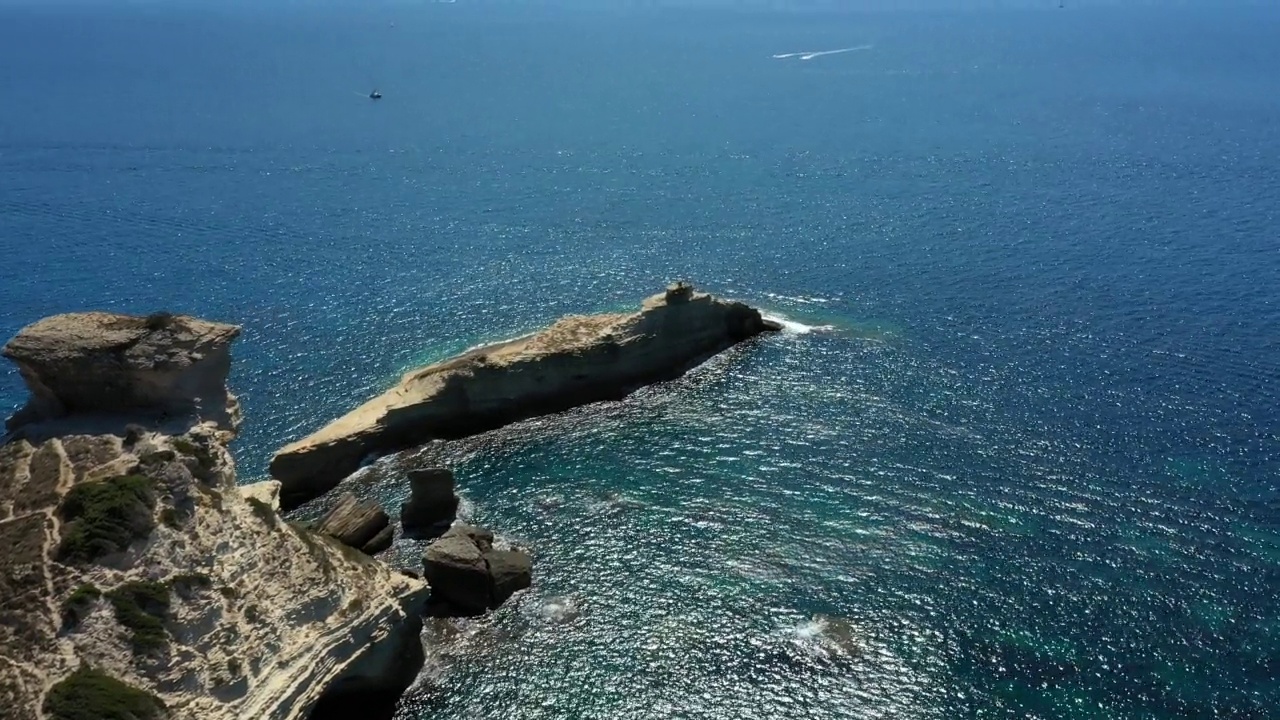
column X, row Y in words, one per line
column 432, row 504
column 469, row 576
column 164, row 366
column 578, row 360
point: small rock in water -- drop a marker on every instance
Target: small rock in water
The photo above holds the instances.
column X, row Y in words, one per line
column 381, row 541
column 361, row 525
column 454, row 566
column 511, row 571
column 482, row 538
column 432, row 503
column 468, row 577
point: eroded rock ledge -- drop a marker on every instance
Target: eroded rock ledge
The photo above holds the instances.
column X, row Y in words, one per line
column 136, row 573
column 578, row 360
column 165, row 367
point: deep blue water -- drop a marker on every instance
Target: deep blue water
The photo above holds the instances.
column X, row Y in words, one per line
column 1033, row 471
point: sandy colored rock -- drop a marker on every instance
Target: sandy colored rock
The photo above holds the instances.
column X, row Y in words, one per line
column 256, row 618
column 285, row 606
column 266, row 492
column 578, row 360
column 480, row 537
column 105, row 363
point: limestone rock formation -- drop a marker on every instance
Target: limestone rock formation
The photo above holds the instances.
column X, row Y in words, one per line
column 361, row 525
column 266, row 492
column 468, row 576
column 163, row 366
column 134, row 564
column 578, row 360
column 456, row 570
column 432, row 503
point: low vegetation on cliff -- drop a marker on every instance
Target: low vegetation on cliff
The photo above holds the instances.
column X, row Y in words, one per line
column 89, row 694
column 142, row 607
column 105, row 517
column 78, row 604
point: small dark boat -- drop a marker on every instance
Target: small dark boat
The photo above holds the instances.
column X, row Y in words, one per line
column 375, row 95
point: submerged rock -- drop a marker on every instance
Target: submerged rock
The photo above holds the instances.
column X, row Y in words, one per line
column 432, row 503
column 578, row 360
column 361, row 525
column 468, row 576
column 134, row 554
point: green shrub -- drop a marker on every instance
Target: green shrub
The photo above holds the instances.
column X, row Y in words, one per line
column 156, row 457
column 89, row 694
column 142, row 608
column 105, row 517
column 78, row 604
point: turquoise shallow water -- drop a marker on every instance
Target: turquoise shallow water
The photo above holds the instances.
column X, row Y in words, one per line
column 1030, row 470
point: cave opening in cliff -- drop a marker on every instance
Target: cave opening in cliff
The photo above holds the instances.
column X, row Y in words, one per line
column 366, row 705
column 374, row 690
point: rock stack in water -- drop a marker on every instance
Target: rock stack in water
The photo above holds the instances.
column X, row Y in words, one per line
column 432, row 504
column 578, row 360
column 137, row 579
column 468, row 576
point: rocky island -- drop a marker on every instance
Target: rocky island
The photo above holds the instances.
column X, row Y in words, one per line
column 580, row 359
column 138, row 581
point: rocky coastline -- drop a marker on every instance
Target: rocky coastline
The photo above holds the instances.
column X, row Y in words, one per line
column 142, row 581
column 138, row 577
column 578, row 360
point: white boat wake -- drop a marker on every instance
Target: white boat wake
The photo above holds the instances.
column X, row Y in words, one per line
column 811, row 54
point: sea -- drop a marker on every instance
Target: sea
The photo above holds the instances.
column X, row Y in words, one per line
column 1016, row 454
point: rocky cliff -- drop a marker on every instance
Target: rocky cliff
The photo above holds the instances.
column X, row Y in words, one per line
column 137, row 580
column 578, row 360
column 162, row 366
